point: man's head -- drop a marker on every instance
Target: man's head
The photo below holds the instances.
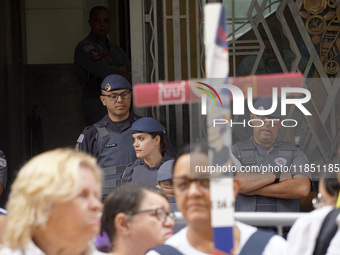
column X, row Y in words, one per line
column 99, row 21
column 164, row 177
column 266, row 128
column 116, row 96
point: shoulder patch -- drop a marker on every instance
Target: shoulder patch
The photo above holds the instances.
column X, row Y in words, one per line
column 3, row 162
column 76, row 149
column 80, row 138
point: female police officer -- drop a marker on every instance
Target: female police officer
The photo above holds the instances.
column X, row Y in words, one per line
column 152, row 148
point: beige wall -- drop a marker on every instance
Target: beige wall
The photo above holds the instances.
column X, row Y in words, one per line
column 53, row 28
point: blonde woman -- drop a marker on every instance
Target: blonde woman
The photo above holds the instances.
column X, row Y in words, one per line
column 54, row 205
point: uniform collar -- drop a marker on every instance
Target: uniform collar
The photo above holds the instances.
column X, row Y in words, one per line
column 123, row 125
column 276, row 143
column 97, row 39
column 166, row 157
column 264, row 149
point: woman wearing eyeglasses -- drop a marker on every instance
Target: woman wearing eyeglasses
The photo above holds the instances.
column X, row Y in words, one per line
column 152, row 148
column 135, row 218
column 193, row 200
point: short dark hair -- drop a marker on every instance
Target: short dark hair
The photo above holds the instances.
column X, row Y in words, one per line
column 97, row 8
column 124, row 199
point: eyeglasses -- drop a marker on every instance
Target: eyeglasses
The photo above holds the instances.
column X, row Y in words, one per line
column 114, row 96
column 160, row 214
column 182, row 184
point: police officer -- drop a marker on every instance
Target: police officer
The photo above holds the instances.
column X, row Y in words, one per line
column 164, row 180
column 3, row 172
column 273, row 191
column 109, row 140
column 152, row 148
column 95, row 57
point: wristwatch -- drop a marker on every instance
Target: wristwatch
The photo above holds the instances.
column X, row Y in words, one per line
column 278, row 175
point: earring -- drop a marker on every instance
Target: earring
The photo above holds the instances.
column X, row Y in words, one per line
column 156, row 144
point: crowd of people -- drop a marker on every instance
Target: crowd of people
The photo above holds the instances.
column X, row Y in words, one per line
column 117, row 191
column 55, row 207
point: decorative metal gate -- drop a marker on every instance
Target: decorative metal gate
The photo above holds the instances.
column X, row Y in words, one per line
column 172, row 51
column 311, row 30
column 167, row 45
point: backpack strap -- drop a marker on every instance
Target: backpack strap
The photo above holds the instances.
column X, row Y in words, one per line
column 257, row 242
column 327, row 232
column 165, row 249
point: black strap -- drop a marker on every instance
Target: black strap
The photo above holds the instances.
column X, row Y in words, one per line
column 257, row 242
column 327, row 232
column 165, row 249
column 103, row 133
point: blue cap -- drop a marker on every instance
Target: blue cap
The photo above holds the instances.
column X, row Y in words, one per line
column 265, row 103
column 114, row 82
column 165, row 171
column 148, row 125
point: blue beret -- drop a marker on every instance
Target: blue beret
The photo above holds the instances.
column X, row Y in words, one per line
column 114, row 82
column 148, row 125
column 265, row 103
column 165, row 171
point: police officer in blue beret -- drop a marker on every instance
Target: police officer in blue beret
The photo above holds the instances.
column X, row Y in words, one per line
column 95, row 57
column 164, row 180
column 152, row 148
column 109, row 140
column 270, row 191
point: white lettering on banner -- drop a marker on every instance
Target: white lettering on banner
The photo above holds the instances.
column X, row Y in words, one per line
column 222, row 202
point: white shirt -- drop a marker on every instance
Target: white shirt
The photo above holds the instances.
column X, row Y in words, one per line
column 276, row 245
column 180, row 242
column 334, row 246
column 302, row 236
column 32, row 249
